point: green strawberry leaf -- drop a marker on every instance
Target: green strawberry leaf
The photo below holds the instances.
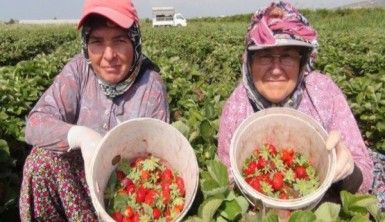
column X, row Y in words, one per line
column 302, row 216
column 218, row 172
column 194, row 219
column 209, row 207
column 305, row 186
column 210, row 187
column 206, row 130
column 111, row 187
column 124, row 165
column 376, row 213
column 182, row 127
column 354, row 204
column 151, row 163
column 220, row 219
column 327, row 212
column 270, row 217
column 360, row 218
column 231, row 210
column 243, row 203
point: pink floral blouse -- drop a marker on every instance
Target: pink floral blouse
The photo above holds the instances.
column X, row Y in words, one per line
column 322, row 100
column 75, row 98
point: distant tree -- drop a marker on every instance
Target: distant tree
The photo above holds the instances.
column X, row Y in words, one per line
column 12, row 21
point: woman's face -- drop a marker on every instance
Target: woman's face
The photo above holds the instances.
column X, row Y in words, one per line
column 111, row 53
column 275, row 72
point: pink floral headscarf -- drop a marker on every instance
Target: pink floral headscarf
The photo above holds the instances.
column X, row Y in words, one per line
column 280, row 24
column 279, row 21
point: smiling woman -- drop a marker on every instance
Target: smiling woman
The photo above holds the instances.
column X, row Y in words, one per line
column 277, row 70
column 109, row 82
column 111, row 53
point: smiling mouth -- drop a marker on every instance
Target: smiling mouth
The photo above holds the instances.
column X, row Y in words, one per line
column 111, row 68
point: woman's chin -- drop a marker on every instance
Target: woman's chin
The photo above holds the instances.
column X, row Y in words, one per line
column 112, row 79
column 276, row 97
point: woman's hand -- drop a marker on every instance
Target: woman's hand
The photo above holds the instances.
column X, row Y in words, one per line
column 84, row 138
column 345, row 162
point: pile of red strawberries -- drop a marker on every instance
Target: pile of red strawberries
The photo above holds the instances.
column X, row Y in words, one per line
column 145, row 189
column 283, row 174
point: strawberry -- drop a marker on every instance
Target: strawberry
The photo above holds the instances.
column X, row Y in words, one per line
column 140, row 195
column 166, row 196
column 261, row 163
column 277, row 181
column 126, row 182
column 250, row 169
column 150, row 196
column 129, row 212
column 271, row 148
column 178, row 208
column 167, row 175
column 156, row 213
column 120, row 175
column 144, row 175
column 300, row 172
column 283, row 196
column 287, row 156
column 117, row 216
column 136, row 162
column 129, row 189
column 126, row 219
column 136, row 218
column 179, row 182
column 256, row 184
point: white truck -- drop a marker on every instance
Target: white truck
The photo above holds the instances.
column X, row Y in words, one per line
column 166, row 16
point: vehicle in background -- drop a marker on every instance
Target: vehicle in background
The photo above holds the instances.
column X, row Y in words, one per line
column 166, row 16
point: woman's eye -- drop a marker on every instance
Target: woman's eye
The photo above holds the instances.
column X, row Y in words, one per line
column 267, row 56
column 94, row 41
column 123, row 40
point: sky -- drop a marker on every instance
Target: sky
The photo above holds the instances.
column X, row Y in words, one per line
column 71, row 9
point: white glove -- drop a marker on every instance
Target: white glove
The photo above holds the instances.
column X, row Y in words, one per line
column 345, row 162
column 86, row 139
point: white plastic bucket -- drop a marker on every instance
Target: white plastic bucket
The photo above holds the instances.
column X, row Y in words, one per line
column 283, row 127
column 134, row 138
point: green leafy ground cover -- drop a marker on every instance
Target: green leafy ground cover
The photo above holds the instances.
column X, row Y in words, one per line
column 200, row 65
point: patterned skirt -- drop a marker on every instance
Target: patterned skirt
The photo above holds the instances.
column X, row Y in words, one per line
column 54, row 188
column 378, row 187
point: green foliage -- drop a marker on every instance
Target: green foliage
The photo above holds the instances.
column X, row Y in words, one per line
column 220, row 202
column 16, row 47
column 200, row 65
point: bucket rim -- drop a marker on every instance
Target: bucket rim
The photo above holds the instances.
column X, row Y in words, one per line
column 101, row 212
column 250, row 192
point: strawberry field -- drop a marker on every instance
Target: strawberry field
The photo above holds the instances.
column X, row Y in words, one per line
column 200, row 65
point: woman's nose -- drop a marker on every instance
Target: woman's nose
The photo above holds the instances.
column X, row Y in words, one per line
column 109, row 53
column 276, row 66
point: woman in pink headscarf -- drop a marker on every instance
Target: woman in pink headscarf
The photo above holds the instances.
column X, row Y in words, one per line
column 111, row 81
column 278, row 71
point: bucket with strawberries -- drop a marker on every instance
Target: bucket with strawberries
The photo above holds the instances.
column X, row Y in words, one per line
column 143, row 170
column 279, row 159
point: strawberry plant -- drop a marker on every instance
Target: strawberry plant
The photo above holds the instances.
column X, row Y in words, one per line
column 144, row 189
